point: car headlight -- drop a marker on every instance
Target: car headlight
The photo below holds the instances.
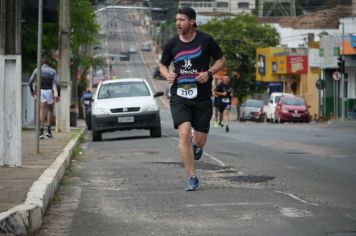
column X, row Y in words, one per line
column 150, row 107
column 100, row 111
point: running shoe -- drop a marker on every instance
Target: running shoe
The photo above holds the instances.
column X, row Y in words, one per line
column 227, row 129
column 41, row 136
column 49, row 134
column 216, row 124
column 197, row 151
column 192, row 184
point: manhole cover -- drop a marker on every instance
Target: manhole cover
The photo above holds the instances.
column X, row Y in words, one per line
column 297, row 153
column 249, row 179
column 168, row 163
column 199, row 165
column 228, row 171
column 209, row 166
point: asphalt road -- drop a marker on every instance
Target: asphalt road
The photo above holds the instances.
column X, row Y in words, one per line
column 259, row 179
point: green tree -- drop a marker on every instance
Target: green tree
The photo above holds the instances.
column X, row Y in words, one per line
column 239, row 37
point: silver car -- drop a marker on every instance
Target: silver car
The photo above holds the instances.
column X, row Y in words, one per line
column 252, row 109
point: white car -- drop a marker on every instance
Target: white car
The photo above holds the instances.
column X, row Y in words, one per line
column 125, row 104
column 271, row 106
column 132, row 49
column 146, row 46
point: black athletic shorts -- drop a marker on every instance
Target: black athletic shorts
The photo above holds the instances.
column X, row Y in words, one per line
column 224, row 106
column 197, row 112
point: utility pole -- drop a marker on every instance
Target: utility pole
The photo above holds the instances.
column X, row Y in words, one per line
column 10, row 83
column 38, row 76
column 63, row 114
column 342, row 87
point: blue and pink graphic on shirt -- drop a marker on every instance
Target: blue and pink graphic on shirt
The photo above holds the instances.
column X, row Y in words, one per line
column 187, row 75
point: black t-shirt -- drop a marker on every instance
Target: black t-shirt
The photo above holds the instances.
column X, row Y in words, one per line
column 221, row 88
column 190, row 59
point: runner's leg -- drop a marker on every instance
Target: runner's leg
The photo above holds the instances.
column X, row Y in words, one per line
column 200, row 138
column 49, row 114
column 226, row 116
column 185, row 147
column 42, row 114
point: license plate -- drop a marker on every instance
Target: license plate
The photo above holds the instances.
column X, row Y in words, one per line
column 296, row 115
column 126, row 119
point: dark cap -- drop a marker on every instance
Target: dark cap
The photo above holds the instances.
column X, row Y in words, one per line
column 188, row 11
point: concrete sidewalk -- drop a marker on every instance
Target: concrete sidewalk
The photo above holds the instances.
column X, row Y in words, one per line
column 26, row 191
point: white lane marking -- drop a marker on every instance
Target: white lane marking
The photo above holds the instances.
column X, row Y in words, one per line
column 229, row 204
column 294, row 212
column 221, row 163
column 297, row 198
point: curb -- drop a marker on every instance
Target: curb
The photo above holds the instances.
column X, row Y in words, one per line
column 27, row 217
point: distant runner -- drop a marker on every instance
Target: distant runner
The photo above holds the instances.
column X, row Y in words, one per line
column 217, row 114
column 224, row 92
column 49, row 94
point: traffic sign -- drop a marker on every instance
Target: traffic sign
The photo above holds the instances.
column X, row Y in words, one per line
column 336, row 75
column 320, row 84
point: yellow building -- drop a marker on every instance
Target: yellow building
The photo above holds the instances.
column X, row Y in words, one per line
column 287, row 70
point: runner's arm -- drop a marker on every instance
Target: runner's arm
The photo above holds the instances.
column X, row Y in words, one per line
column 31, row 80
column 218, row 65
column 55, row 87
column 169, row 76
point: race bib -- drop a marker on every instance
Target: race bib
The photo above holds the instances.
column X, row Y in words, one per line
column 188, row 91
column 225, row 100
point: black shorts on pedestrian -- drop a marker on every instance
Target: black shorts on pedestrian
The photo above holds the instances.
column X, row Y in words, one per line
column 197, row 112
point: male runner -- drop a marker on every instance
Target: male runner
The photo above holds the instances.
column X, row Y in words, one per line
column 224, row 93
column 191, row 80
column 49, row 93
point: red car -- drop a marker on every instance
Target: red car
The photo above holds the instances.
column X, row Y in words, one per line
column 98, row 76
column 292, row 108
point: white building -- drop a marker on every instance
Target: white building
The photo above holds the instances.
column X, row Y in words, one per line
column 294, row 38
column 220, row 6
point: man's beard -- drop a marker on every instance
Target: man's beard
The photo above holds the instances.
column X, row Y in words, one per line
column 182, row 31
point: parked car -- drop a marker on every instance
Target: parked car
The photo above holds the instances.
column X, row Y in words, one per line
column 125, row 104
column 292, row 108
column 146, row 46
column 270, row 108
column 132, row 49
column 124, row 56
column 98, row 76
column 252, row 109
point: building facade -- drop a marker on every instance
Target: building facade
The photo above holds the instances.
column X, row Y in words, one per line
column 287, row 70
column 220, row 6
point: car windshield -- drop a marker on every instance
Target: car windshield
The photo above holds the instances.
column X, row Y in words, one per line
column 293, row 102
column 253, row 103
column 123, row 89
